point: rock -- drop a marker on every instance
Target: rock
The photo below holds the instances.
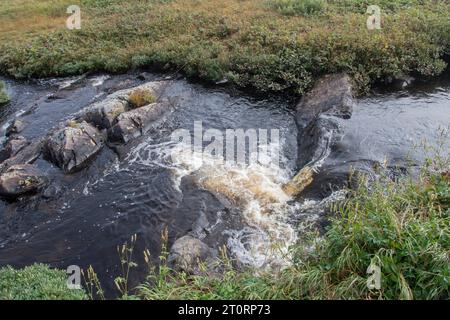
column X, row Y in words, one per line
column 297, row 184
column 317, row 141
column 21, row 179
column 26, row 155
column 12, row 147
column 332, row 95
column 103, row 114
column 187, row 252
column 15, row 127
column 72, row 147
column 319, row 117
column 134, row 123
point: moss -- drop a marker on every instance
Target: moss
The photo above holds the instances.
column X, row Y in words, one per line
column 36, row 282
column 400, row 227
column 140, row 97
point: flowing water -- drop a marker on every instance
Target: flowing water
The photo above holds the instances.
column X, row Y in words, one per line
column 156, row 183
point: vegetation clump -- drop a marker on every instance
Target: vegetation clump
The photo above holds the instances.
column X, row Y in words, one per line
column 140, row 97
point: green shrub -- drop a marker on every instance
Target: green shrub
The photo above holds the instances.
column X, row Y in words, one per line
column 36, row 282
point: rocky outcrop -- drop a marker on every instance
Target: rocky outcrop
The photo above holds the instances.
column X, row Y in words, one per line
column 188, row 253
column 103, row 114
column 21, row 179
column 332, row 95
column 73, row 146
column 135, row 123
column 319, row 118
column 124, row 115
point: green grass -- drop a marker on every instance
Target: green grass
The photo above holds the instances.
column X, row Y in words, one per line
column 402, row 227
column 36, row 282
column 251, row 43
column 4, row 98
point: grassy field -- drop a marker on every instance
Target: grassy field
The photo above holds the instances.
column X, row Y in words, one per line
column 264, row 45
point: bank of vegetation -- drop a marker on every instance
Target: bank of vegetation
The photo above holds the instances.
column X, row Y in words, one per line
column 265, row 45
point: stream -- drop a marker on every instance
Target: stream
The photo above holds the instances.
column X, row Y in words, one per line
column 155, row 183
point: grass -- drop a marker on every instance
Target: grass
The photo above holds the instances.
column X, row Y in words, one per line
column 400, row 227
column 263, row 45
column 36, row 282
column 4, row 98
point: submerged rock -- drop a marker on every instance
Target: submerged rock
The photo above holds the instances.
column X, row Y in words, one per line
column 72, row 147
column 297, row 184
column 135, row 123
column 187, row 253
column 21, row 179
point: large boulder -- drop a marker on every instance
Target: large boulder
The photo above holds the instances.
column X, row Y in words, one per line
column 134, row 123
column 319, row 117
column 72, row 147
column 103, row 114
column 188, row 253
column 21, row 179
column 332, row 95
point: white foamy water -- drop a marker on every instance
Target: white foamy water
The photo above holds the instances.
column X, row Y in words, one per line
column 255, row 189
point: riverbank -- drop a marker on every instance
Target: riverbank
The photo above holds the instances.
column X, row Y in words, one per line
column 266, row 46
